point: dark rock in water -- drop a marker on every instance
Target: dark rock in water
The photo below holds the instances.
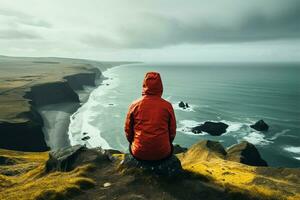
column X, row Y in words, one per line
column 178, row 149
column 68, row 158
column 181, row 105
column 169, row 167
column 86, row 138
column 213, row 128
column 260, row 126
column 245, row 153
column 84, row 133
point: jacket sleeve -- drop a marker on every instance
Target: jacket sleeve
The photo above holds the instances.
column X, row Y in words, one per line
column 129, row 122
column 172, row 124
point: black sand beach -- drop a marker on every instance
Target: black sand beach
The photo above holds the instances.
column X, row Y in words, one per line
column 38, row 95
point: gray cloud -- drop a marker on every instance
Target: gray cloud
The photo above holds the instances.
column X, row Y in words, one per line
column 162, row 30
column 267, row 21
column 10, row 34
column 22, row 18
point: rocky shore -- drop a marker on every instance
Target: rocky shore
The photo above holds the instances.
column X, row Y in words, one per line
column 30, row 83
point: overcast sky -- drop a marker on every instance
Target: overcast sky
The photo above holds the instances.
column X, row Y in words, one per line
column 152, row 30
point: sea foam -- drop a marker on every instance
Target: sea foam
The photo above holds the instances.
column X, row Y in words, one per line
column 185, row 126
column 256, row 138
column 233, row 126
column 292, row 149
column 81, row 126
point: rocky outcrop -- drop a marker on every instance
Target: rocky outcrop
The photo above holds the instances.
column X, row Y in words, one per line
column 168, row 167
column 206, row 150
column 260, row 126
column 209, row 159
column 245, row 153
column 179, row 149
column 67, row 159
column 213, row 128
column 183, row 105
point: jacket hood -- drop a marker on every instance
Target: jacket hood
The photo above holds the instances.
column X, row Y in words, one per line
column 152, row 84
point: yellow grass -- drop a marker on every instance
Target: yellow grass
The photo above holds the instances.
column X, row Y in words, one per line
column 240, row 178
column 30, row 181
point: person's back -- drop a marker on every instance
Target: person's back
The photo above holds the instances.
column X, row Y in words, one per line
column 150, row 123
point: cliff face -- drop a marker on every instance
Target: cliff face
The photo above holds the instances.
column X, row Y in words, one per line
column 44, row 81
column 51, row 93
column 28, row 135
column 76, row 81
column 25, row 136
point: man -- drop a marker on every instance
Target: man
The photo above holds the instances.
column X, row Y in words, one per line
column 150, row 123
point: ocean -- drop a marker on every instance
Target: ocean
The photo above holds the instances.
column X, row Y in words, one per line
column 238, row 94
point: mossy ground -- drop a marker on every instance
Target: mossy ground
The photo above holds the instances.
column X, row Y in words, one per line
column 24, row 177
column 240, row 178
column 205, row 176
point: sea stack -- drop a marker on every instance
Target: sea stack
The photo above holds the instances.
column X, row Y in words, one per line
column 213, row 128
column 183, row 105
column 260, row 126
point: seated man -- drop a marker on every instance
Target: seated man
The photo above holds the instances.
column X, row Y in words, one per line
column 150, row 123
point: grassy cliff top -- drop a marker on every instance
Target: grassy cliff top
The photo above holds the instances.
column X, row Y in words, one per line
column 18, row 74
column 206, row 176
column 23, row 177
column 266, row 182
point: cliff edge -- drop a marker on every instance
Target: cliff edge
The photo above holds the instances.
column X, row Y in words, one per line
column 96, row 174
column 28, row 83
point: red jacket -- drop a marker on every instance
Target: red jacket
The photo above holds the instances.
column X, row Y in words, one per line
column 150, row 123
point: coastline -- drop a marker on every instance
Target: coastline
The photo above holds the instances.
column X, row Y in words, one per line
column 32, row 87
column 58, row 116
column 80, row 127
